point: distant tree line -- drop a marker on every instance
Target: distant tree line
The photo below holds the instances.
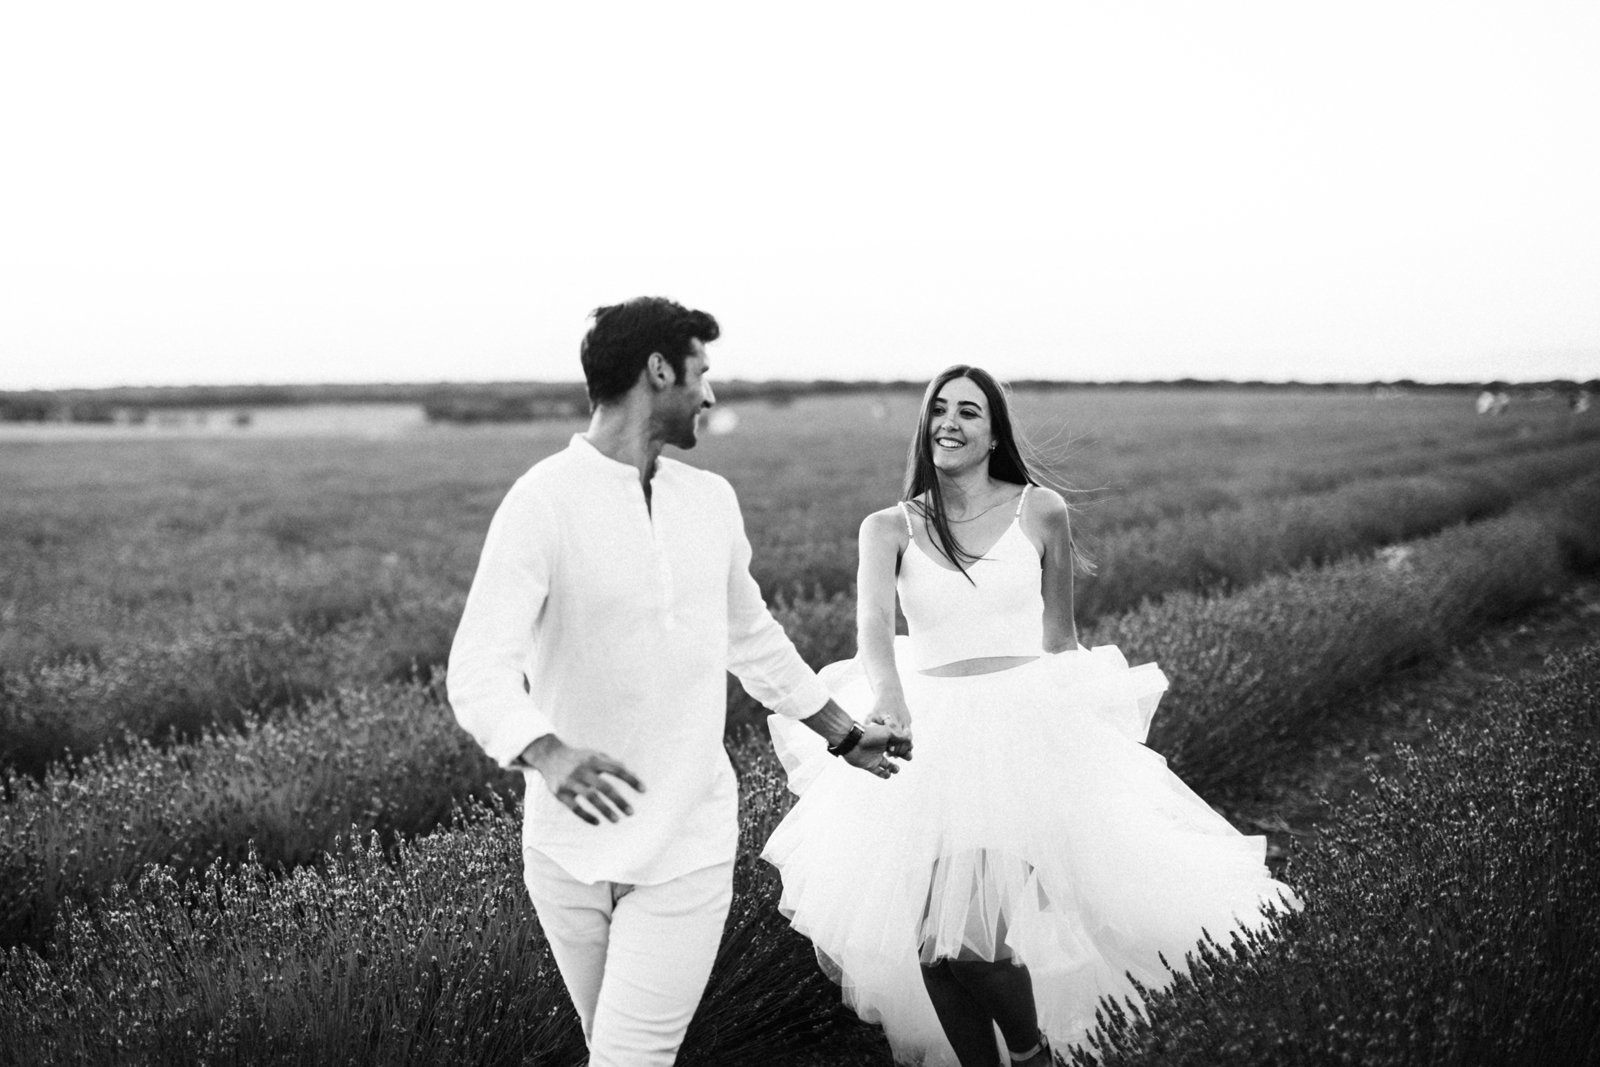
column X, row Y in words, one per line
column 520, row 401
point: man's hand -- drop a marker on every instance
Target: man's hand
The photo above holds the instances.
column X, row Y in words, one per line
column 575, row 774
column 877, row 745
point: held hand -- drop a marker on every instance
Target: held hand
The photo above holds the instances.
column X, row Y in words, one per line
column 891, row 711
column 879, row 746
column 575, row 774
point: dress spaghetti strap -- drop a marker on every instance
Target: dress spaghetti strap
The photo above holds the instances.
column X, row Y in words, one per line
column 1020, row 498
column 905, row 511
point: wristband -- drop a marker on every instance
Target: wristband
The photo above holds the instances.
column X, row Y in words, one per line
column 848, row 741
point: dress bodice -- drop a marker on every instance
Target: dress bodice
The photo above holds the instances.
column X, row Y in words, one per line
column 999, row 612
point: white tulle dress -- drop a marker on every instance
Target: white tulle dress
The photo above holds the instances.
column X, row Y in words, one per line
column 1032, row 824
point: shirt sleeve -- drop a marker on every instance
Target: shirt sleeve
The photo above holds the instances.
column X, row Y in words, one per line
column 760, row 654
column 494, row 642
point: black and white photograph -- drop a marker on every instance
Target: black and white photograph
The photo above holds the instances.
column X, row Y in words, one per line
column 1061, row 534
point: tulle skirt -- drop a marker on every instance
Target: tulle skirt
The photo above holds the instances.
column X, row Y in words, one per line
column 1032, row 824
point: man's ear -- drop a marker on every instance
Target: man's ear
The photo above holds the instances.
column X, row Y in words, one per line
column 658, row 371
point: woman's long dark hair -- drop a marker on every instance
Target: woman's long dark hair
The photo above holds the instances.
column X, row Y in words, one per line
column 1006, row 462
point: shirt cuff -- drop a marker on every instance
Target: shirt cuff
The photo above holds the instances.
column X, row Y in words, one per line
column 804, row 701
column 509, row 742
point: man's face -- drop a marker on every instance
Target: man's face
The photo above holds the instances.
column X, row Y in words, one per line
column 678, row 406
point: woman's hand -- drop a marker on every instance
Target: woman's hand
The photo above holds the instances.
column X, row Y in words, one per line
column 890, row 710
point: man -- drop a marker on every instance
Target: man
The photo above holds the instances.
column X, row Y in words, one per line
column 613, row 595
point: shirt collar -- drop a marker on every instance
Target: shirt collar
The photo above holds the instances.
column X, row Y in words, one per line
column 604, row 465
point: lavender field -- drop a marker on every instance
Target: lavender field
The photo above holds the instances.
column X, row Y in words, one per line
column 239, row 825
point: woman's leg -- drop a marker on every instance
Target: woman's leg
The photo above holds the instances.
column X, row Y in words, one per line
column 966, row 1023
column 1004, row 991
column 975, row 991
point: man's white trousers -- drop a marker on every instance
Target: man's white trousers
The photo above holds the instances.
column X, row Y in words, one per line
column 635, row 958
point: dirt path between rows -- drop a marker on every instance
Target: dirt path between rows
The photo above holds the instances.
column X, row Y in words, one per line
column 1294, row 800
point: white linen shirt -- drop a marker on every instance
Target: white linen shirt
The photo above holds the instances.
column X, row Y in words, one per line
column 613, row 626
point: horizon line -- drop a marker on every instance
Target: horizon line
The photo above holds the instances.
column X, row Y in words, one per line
column 863, row 383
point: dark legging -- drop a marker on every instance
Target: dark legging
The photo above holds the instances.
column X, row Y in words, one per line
column 979, row 988
column 971, row 997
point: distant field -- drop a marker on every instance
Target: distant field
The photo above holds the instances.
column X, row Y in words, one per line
column 1275, row 550
column 170, row 582
column 108, row 541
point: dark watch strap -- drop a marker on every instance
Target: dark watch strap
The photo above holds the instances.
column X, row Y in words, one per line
column 848, row 741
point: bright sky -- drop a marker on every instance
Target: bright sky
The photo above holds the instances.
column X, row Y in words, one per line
column 289, row 192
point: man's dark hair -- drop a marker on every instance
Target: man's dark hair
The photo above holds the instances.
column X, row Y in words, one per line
column 619, row 343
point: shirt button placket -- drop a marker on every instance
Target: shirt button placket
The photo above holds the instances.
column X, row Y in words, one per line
column 663, row 568
column 663, row 574
column 664, row 582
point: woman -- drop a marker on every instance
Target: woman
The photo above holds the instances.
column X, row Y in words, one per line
column 1035, row 852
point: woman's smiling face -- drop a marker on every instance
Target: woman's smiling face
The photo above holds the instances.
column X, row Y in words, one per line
column 958, row 426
